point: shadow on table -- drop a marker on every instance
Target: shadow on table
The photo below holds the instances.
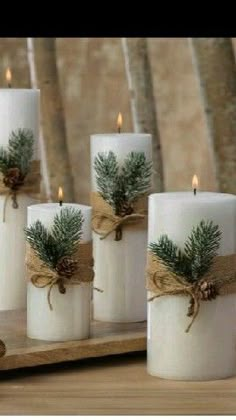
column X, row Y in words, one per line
column 113, row 360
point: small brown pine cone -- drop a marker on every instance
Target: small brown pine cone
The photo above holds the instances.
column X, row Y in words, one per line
column 66, row 267
column 207, row 290
column 13, row 178
column 126, row 210
column 191, row 307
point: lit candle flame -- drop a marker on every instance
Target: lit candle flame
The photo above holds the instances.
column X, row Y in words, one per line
column 8, row 76
column 60, row 195
column 195, row 184
column 119, row 122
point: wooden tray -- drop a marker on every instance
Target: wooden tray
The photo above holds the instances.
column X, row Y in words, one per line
column 106, row 338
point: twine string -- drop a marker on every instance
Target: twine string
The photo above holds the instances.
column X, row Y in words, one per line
column 105, row 221
column 160, row 281
column 42, row 276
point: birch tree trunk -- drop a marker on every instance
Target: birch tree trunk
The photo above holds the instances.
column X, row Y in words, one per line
column 52, row 113
column 214, row 62
column 139, row 77
column 33, row 80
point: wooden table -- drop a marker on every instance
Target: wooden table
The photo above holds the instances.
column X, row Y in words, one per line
column 110, row 385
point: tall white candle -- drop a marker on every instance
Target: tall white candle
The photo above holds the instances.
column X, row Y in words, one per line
column 19, row 109
column 120, row 266
column 208, row 350
column 70, row 317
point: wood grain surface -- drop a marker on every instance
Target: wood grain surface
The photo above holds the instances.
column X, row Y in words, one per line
column 110, row 385
column 106, row 339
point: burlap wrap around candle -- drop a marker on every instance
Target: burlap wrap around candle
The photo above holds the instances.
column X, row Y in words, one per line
column 162, row 282
column 12, row 184
column 105, row 221
column 42, row 276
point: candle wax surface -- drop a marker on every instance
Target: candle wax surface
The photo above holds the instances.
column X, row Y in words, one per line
column 70, row 317
column 120, row 265
column 208, row 351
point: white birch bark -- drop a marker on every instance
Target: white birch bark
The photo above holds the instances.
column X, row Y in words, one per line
column 143, row 107
column 214, row 63
column 33, row 79
column 53, row 124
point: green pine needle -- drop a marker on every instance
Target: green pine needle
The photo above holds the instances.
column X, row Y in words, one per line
column 201, row 247
column 67, row 230
column 120, row 187
column 171, row 256
column 199, row 251
column 107, row 171
column 19, row 152
column 60, row 241
column 136, row 175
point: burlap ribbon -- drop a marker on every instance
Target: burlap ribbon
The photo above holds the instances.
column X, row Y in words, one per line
column 31, row 185
column 161, row 282
column 42, row 276
column 104, row 221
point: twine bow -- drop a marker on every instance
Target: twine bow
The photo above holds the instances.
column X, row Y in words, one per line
column 42, row 276
column 115, row 221
column 161, row 282
column 104, row 221
column 13, row 183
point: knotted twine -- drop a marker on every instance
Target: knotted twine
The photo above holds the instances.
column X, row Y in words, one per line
column 104, row 221
column 162, row 282
column 30, row 186
column 42, row 276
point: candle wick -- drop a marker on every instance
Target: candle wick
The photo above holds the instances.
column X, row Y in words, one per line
column 60, row 203
column 9, row 85
column 195, row 191
column 119, row 130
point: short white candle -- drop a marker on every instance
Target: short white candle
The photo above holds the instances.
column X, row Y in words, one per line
column 208, row 350
column 120, row 266
column 19, row 109
column 70, row 317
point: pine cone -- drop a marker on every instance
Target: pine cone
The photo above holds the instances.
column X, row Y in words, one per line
column 207, row 290
column 191, row 308
column 13, row 178
column 126, row 210
column 66, row 267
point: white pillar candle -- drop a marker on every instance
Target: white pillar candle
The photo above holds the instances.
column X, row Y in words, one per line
column 70, row 317
column 208, row 350
column 19, row 109
column 120, row 265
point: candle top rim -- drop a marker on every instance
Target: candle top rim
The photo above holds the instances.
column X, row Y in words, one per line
column 121, row 135
column 55, row 205
column 13, row 89
column 203, row 196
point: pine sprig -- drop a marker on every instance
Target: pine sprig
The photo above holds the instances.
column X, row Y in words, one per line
column 120, row 187
column 63, row 238
column 201, row 247
column 171, row 256
column 136, row 175
column 107, row 176
column 19, row 152
column 67, row 230
column 199, row 251
column 4, row 160
column 43, row 243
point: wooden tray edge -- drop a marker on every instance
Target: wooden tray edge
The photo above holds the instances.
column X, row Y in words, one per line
column 75, row 352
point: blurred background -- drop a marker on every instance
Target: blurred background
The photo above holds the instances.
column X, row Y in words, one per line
column 93, row 88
